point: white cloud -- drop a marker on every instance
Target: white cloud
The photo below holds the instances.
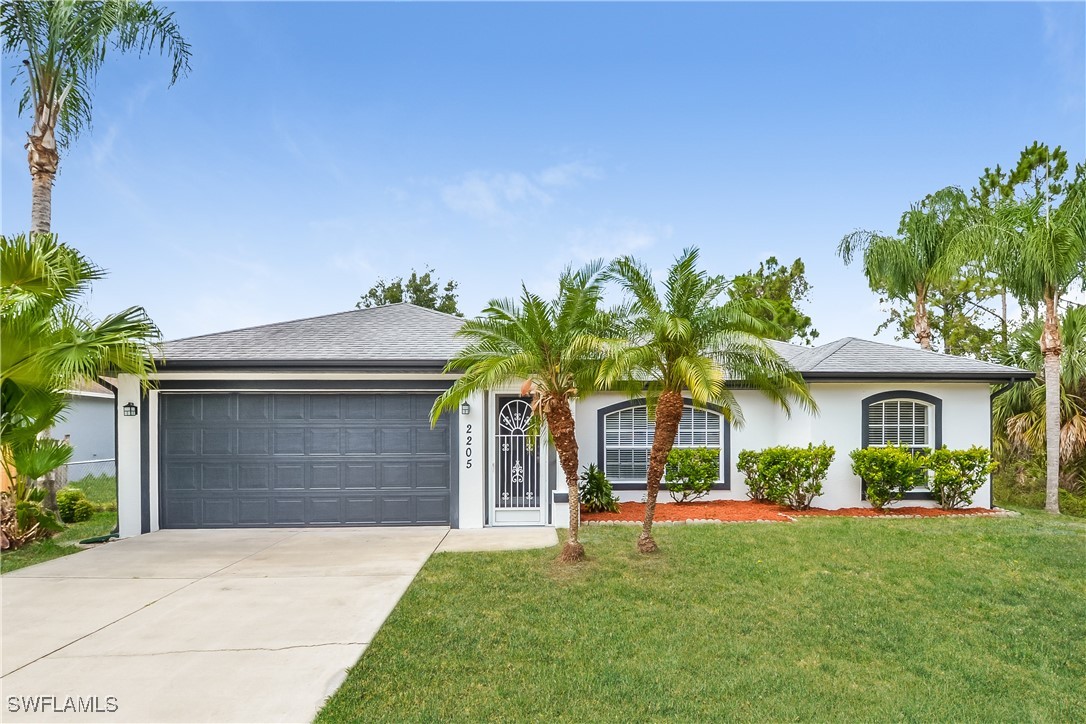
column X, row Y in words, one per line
column 568, row 174
column 611, row 239
column 494, row 197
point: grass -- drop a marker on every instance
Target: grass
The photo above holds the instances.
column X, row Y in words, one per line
column 101, row 489
column 820, row 620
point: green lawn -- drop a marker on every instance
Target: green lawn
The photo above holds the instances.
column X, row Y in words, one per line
column 820, row 620
column 100, row 489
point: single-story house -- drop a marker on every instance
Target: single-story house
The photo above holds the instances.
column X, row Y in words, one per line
column 325, row 422
column 88, row 425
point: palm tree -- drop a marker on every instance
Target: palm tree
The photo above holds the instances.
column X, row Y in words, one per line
column 1038, row 245
column 908, row 266
column 50, row 344
column 63, row 44
column 682, row 340
column 1019, row 415
column 554, row 348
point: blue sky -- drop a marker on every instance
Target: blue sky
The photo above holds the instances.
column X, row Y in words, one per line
column 317, row 146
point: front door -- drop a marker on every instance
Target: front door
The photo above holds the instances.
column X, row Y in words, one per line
column 516, row 493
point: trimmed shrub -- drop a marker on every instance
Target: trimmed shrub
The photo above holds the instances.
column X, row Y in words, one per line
column 958, row 474
column 789, row 476
column 595, row 489
column 691, row 472
column 750, row 465
column 888, row 472
column 73, row 506
column 795, row 474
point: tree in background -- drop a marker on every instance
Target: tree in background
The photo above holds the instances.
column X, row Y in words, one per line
column 680, row 339
column 61, row 46
column 420, row 290
column 1020, row 413
column 50, row 345
column 554, row 348
column 1036, row 238
column 918, row 259
column 781, row 288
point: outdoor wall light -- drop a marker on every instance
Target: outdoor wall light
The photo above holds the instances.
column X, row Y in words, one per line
column 465, row 408
column 130, row 410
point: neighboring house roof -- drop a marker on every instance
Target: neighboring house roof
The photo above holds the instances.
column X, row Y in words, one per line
column 406, row 336
column 852, row 358
column 90, row 389
column 396, row 334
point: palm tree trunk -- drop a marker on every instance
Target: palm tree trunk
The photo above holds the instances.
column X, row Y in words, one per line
column 669, row 412
column 43, row 159
column 921, row 325
column 561, row 426
column 1051, row 348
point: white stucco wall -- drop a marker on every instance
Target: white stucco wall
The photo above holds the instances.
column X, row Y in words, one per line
column 472, row 461
column 965, row 422
column 128, row 457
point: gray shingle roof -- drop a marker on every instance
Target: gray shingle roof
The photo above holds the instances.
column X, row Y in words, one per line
column 398, row 333
column 407, row 336
column 851, row 357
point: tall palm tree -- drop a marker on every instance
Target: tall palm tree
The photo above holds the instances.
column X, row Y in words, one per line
column 61, row 45
column 919, row 258
column 1038, row 245
column 1019, row 415
column 49, row 343
column 554, row 348
column 683, row 340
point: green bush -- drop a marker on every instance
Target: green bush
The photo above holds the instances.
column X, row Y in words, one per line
column 749, row 464
column 958, row 474
column 73, row 506
column 888, row 472
column 786, row 475
column 691, row 472
column 595, row 489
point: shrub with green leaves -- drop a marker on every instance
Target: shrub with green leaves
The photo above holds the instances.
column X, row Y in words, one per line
column 794, row 475
column 691, row 472
column 749, row 463
column 889, row 472
column 958, row 474
column 596, row 495
column 73, row 506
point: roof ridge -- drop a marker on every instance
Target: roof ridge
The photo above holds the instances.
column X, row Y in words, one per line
column 824, row 352
column 425, row 309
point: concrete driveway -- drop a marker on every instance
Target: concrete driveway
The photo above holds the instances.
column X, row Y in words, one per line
column 209, row 625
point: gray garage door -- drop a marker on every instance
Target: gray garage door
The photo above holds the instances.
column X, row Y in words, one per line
column 303, row 460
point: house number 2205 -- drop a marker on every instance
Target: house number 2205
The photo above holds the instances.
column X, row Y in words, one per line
column 467, row 446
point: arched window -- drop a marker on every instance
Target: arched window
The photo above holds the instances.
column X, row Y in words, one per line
column 627, row 434
column 904, row 418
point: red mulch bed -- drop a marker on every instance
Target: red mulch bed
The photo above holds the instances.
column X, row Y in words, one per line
column 740, row 510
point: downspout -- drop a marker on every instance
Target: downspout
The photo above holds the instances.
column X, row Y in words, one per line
column 995, row 393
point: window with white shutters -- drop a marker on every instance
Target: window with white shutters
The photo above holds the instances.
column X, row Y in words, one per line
column 900, row 422
column 628, row 435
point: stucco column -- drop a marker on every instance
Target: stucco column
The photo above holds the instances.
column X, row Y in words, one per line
column 128, row 457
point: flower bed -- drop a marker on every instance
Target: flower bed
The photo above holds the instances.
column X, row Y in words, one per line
column 734, row 511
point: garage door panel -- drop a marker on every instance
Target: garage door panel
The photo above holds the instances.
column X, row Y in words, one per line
column 323, row 441
column 325, row 510
column 254, row 476
column 254, row 441
column 288, row 407
column 361, row 476
column 431, row 508
column 181, row 442
column 253, row 408
column 325, row 477
column 219, row 511
column 360, row 442
column 325, row 408
column 360, row 510
column 254, row 511
column 219, row 408
column 303, row 459
column 289, row 476
column 217, row 476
